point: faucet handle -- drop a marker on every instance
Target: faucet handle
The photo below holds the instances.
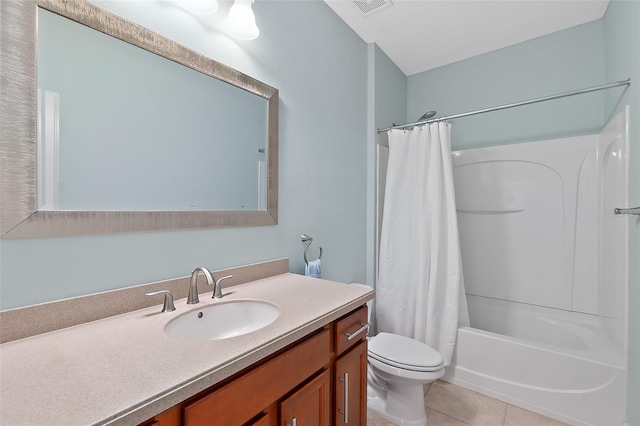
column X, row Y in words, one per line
column 168, row 300
column 217, row 288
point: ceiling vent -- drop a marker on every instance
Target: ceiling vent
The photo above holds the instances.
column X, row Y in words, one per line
column 369, row 7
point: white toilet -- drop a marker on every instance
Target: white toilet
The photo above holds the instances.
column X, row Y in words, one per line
column 399, row 367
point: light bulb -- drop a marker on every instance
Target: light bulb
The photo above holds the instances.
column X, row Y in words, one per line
column 241, row 22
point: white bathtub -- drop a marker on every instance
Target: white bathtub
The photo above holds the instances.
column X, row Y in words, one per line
column 545, row 269
column 557, row 363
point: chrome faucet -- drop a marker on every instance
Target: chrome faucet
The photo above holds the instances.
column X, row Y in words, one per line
column 192, row 299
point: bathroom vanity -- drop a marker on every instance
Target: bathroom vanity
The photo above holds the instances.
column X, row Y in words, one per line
column 125, row 369
column 319, row 380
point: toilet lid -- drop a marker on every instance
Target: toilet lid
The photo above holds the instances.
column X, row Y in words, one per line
column 404, row 352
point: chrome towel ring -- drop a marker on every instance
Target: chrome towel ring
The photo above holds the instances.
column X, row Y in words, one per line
column 308, row 240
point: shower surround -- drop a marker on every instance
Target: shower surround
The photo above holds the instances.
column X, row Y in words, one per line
column 545, row 267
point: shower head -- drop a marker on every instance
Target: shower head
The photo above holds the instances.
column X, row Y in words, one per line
column 427, row 115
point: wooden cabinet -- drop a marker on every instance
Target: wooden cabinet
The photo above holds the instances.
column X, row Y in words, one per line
column 351, row 329
column 351, row 386
column 268, row 418
column 243, row 398
column 350, row 369
column 170, row 417
column 303, row 384
column 310, row 405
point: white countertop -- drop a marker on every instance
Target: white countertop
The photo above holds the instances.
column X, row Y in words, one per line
column 125, row 369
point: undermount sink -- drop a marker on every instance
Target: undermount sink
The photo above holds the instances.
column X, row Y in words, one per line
column 222, row 320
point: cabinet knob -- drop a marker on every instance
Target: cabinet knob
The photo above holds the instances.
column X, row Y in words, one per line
column 294, row 422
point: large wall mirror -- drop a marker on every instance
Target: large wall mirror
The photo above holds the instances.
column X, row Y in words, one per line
column 108, row 127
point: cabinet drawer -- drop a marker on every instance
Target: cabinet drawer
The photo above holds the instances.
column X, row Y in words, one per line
column 351, row 329
column 239, row 401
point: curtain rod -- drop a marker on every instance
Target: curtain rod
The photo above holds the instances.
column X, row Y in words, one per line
column 626, row 82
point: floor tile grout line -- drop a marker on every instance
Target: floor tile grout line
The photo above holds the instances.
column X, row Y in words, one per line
column 446, row 415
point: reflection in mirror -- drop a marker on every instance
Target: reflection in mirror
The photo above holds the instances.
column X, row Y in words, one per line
column 95, row 180
column 121, row 128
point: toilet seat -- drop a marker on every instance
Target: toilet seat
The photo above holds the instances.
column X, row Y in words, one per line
column 404, row 353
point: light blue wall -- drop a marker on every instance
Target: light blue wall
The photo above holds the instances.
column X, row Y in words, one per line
column 390, row 92
column 320, row 67
column 556, row 63
column 622, row 60
column 387, row 105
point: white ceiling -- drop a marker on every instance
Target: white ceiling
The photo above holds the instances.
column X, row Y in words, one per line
column 419, row 35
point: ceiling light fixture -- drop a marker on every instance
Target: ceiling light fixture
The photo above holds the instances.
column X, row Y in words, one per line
column 241, row 22
column 201, row 7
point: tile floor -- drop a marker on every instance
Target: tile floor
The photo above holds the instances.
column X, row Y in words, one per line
column 451, row 405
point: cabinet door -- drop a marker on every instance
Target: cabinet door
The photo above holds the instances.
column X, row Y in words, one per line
column 310, row 405
column 351, row 387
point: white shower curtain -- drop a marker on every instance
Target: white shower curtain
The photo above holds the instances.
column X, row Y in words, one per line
column 420, row 290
